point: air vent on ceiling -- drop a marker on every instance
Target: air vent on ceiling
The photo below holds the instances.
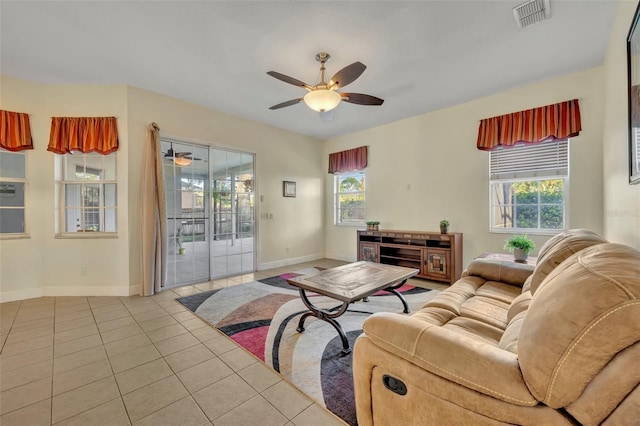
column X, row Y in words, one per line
column 531, row 12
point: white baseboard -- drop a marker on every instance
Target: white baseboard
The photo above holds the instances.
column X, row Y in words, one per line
column 343, row 258
column 53, row 291
column 287, row 262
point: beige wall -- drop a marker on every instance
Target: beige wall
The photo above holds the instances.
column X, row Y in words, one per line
column 621, row 200
column 421, row 170
column 280, row 155
column 427, row 168
column 45, row 265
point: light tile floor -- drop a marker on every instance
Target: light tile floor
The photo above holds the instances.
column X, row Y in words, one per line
column 140, row 361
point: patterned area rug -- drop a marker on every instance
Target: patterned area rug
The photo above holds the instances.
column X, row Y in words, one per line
column 262, row 316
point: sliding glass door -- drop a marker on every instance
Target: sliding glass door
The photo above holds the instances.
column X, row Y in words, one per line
column 232, row 223
column 210, row 212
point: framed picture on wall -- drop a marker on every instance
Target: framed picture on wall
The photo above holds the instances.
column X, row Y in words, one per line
column 633, row 83
column 288, row 188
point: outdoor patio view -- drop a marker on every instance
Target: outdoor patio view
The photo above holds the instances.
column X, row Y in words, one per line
column 210, row 213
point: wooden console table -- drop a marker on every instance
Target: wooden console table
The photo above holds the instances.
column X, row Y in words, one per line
column 437, row 256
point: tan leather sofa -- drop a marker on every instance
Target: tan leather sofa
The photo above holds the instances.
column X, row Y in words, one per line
column 510, row 344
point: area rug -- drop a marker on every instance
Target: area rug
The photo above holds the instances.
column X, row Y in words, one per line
column 262, row 316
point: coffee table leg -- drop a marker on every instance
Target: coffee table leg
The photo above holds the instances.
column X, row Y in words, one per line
column 393, row 289
column 326, row 316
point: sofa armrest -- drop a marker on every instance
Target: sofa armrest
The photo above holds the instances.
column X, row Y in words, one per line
column 500, row 270
column 469, row 362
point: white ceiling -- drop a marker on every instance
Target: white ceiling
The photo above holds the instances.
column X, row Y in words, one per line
column 420, row 55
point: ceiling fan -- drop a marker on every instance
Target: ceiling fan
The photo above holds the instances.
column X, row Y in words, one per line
column 180, row 158
column 324, row 96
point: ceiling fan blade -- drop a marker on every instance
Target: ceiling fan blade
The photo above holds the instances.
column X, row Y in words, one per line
column 288, row 79
column 286, row 104
column 347, row 75
column 327, row 116
column 361, row 99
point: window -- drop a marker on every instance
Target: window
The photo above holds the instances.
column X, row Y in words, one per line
column 529, row 186
column 349, row 202
column 13, row 183
column 87, row 192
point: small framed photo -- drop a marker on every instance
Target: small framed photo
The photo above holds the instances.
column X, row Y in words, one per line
column 288, row 188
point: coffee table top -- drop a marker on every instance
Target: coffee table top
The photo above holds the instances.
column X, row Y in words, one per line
column 353, row 281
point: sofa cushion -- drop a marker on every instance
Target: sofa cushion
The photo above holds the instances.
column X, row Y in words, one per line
column 477, row 299
column 519, row 304
column 515, row 316
column 558, row 248
column 509, row 339
column 582, row 315
column 499, row 270
column 455, row 356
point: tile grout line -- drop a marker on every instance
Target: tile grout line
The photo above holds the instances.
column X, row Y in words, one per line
column 13, row 320
column 94, row 381
column 168, row 305
column 113, row 373
column 173, row 372
column 53, row 360
column 258, row 393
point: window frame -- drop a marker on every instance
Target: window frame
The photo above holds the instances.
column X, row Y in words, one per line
column 336, row 197
column 25, row 207
column 532, row 176
column 61, row 189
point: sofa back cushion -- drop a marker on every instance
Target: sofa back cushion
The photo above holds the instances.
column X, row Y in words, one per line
column 584, row 313
column 558, row 248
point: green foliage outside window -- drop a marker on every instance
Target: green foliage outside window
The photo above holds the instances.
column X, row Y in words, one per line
column 533, row 204
column 541, row 200
column 351, row 198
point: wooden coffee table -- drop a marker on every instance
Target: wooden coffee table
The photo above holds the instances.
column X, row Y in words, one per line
column 349, row 283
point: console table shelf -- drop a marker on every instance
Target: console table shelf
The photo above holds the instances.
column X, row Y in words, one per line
column 437, row 256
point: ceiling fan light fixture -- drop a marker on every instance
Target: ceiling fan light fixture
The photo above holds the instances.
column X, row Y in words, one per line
column 182, row 161
column 322, row 100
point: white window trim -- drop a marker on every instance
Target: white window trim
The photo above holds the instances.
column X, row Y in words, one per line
column 533, row 231
column 538, row 176
column 25, row 234
column 336, row 202
column 61, row 206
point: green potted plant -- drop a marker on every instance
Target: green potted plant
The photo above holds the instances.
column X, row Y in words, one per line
column 373, row 225
column 444, row 226
column 520, row 245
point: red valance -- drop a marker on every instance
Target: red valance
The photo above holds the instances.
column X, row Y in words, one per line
column 548, row 123
column 84, row 134
column 349, row 160
column 15, row 131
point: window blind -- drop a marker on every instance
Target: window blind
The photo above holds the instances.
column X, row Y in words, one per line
column 521, row 161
